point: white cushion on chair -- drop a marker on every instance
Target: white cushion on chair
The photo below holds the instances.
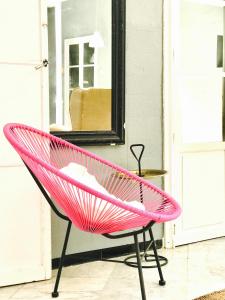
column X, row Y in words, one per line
column 80, row 173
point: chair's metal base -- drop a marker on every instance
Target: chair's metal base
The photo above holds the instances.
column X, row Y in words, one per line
column 121, row 235
column 144, row 258
column 148, row 266
column 55, row 294
column 138, row 256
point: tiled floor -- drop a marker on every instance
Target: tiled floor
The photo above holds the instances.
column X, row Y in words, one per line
column 193, row 270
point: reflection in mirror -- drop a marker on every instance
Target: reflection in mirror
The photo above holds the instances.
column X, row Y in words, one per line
column 90, row 109
column 82, row 30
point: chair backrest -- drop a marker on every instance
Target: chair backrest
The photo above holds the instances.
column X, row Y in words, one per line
column 90, row 109
column 90, row 209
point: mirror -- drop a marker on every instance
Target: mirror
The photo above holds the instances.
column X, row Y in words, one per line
column 87, row 70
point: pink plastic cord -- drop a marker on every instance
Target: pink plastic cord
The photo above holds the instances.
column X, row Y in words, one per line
column 87, row 208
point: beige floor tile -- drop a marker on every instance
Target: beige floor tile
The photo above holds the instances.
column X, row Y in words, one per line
column 193, row 270
column 7, row 292
column 97, row 269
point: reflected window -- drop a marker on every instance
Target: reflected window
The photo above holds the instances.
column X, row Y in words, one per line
column 80, row 58
column 79, row 63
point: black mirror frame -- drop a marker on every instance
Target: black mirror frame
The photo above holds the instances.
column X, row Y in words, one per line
column 117, row 134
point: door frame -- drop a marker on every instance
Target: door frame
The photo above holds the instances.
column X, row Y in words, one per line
column 168, row 132
column 46, row 212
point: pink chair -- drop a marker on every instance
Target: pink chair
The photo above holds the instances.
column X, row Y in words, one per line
column 112, row 208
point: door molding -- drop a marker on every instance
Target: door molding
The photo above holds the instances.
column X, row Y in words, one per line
column 167, row 111
column 46, row 215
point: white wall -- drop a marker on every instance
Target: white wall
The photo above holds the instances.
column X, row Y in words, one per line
column 143, row 112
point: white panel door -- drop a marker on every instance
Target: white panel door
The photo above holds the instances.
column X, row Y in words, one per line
column 25, row 251
column 22, row 230
column 198, row 147
column 202, row 196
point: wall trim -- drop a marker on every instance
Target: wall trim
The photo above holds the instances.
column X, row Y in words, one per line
column 168, row 134
column 100, row 254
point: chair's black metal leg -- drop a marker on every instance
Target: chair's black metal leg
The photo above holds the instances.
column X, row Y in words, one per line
column 139, row 267
column 55, row 291
column 161, row 281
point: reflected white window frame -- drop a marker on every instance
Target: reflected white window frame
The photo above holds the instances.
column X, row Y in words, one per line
column 58, row 54
column 67, row 43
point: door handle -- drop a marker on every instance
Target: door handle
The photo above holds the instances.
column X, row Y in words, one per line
column 43, row 64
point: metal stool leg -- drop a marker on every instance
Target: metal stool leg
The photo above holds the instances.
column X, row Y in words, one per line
column 55, row 291
column 142, row 285
column 161, row 281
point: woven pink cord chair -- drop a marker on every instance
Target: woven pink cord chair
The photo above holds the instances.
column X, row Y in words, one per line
column 105, row 211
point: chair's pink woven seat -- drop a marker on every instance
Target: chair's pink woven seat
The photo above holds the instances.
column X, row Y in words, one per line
column 89, row 209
